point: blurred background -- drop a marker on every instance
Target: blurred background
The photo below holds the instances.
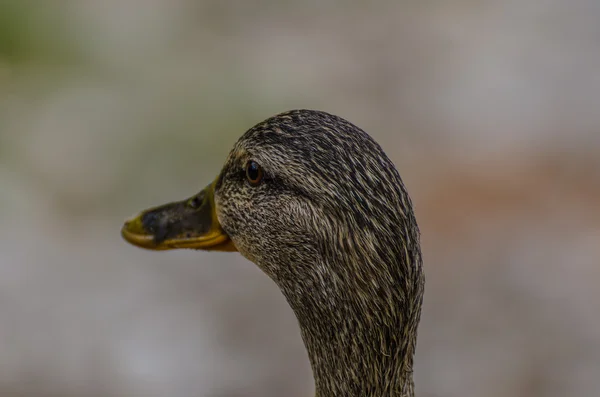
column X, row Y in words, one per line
column 488, row 108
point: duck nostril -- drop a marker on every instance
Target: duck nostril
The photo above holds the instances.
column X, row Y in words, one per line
column 196, row 201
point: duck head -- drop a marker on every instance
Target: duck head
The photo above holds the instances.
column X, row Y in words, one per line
column 316, row 204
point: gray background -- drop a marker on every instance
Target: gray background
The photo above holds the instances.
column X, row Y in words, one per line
column 488, row 108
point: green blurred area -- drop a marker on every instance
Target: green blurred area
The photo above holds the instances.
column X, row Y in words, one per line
column 36, row 33
column 49, row 70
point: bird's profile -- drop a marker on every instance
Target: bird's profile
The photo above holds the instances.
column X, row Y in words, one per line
column 315, row 202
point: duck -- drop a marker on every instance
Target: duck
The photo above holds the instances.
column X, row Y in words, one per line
column 317, row 205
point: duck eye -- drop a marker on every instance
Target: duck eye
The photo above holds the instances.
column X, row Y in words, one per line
column 254, row 173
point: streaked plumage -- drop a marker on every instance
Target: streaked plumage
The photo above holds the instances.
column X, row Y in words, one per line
column 332, row 224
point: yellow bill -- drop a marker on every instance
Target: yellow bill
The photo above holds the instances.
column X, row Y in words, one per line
column 191, row 223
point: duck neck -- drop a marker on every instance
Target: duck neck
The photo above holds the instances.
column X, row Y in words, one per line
column 360, row 334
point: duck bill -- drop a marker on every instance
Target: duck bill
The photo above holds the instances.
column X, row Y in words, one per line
column 190, row 223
